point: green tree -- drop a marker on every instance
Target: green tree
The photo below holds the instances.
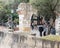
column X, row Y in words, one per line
column 2, row 12
column 5, row 11
column 7, row 6
column 46, row 7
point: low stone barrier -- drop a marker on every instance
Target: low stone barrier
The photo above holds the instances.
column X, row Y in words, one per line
column 25, row 40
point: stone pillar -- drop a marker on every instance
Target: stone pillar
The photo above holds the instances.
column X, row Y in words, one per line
column 57, row 25
column 24, row 17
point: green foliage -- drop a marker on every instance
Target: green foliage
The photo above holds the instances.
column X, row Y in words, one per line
column 46, row 7
column 52, row 38
column 5, row 11
column 2, row 12
column 24, row 1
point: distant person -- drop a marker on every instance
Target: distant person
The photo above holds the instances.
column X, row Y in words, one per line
column 35, row 31
column 49, row 26
column 40, row 25
column 10, row 24
column 45, row 32
column 32, row 26
column 52, row 30
column 14, row 23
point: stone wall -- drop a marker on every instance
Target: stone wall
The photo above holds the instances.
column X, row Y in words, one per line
column 25, row 40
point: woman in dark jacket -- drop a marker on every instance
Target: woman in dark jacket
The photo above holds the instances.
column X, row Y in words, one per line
column 40, row 25
column 32, row 22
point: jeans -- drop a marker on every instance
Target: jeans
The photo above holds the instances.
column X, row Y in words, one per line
column 40, row 30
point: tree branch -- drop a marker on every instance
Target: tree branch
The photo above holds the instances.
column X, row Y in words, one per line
column 56, row 5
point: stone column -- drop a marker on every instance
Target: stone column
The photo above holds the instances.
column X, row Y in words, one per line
column 57, row 25
column 24, row 18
